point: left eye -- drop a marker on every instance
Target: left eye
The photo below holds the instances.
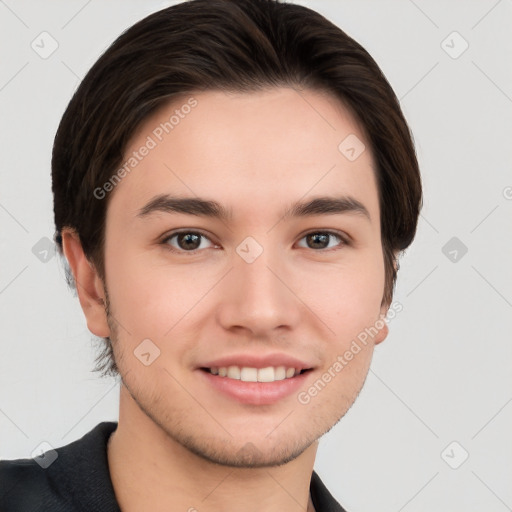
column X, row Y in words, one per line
column 320, row 240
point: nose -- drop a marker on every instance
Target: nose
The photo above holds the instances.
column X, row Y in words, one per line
column 258, row 298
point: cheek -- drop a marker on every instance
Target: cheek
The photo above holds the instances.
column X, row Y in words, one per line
column 135, row 294
column 347, row 298
column 150, row 299
column 350, row 306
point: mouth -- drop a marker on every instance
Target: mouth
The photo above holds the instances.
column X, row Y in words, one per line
column 252, row 374
column 256, row 382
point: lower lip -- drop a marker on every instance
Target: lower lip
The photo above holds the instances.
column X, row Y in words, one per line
column 256, row 393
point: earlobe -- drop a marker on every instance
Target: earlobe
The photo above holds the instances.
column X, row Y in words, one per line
column 89, row 286
column 384, row 330
column 382, row 334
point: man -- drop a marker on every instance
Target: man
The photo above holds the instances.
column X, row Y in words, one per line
column 233, row 183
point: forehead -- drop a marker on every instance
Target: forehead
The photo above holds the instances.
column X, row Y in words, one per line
column 247, row 149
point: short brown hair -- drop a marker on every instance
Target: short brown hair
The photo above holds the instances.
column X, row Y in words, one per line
column 228, row 45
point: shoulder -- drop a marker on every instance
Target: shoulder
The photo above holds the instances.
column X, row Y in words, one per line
column 60, row 480
column 24, row 486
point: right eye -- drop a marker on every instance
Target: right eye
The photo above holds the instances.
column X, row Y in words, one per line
column 187, row 241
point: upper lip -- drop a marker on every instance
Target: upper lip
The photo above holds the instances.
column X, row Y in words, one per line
column 258, row 361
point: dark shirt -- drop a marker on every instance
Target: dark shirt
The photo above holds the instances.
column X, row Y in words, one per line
column 79, row 480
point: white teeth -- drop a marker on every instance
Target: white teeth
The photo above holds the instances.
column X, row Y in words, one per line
column 234, row 372
column 248, row 374
column 280, row 373
column 266, row 374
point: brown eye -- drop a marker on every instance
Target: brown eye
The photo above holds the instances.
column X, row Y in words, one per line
column 321, row 240
column 187, row 241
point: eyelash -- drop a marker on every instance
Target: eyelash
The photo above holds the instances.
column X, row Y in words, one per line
column 343, row 240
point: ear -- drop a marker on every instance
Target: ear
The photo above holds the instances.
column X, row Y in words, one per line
column 89, row 286
column 384, row 331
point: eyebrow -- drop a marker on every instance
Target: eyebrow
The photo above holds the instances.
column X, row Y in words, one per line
column 206, row 208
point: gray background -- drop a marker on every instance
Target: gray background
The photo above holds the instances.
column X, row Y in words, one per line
column 444, row 373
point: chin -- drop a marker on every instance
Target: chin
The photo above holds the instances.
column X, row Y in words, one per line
column 245, row 455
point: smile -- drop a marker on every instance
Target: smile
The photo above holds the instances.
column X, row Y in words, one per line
column 255, row 386
column 251, row 374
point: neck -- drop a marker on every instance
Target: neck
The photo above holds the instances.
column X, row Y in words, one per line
column 151, row 471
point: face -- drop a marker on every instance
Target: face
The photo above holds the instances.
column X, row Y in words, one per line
column 244, row 264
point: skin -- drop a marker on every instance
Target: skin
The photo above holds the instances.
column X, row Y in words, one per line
column 180, row 442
